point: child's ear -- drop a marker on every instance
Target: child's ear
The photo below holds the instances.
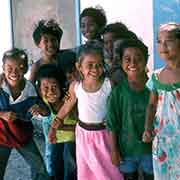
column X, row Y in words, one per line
column 78, row 69
column 77, row 66
column 3, row 67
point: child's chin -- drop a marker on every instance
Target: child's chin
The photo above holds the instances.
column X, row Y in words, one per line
column 13, row 83
column 52, row 101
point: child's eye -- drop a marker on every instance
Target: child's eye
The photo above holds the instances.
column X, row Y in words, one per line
column 9, row 69
column 90, row 65
column 158, row 41
column 82, row 25
column 99, row 65
column 126, row 59
column 45, row 40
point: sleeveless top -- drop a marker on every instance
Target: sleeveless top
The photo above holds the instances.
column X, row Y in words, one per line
column 92, row 105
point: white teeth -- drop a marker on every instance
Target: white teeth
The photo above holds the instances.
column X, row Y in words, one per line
column 132, row 69
column 13, row 78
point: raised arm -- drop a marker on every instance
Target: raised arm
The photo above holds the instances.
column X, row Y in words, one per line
column 66, row 108
column 33, row 72
column 150, row 115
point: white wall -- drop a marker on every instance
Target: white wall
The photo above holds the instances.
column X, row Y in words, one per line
column 5, row 28
column 136, row 14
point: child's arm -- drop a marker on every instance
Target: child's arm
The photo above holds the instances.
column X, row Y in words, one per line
column 150, row 114
column 9, row 115
column 64, row 110
column 115, row 154
column 33, row 72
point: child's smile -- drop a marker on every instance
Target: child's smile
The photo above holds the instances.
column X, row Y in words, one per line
column 14, row 72
column 49, row 89
column 133, row 62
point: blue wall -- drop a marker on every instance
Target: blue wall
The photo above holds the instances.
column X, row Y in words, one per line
column 164, row 11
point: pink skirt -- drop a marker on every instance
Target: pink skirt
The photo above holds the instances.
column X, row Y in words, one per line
column 93, row 155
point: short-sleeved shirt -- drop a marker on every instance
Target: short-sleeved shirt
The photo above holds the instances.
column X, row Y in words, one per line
column 126, row 118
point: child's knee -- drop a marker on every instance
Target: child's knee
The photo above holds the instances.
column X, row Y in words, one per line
column 131, row 176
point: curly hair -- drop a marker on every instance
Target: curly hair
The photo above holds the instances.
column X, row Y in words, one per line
column 118, row 29
column 47, row 27
column 121, row 45
column 98, row 15
column 18, row 55
column 91, row 47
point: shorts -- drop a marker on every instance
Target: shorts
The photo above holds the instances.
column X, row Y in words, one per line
column 132, row 164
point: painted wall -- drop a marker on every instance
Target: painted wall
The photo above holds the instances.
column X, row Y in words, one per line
column 5, row 29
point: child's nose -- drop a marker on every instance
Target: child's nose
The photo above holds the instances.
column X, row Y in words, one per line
column 163, row 45
column 15, row 71
column 133, row 61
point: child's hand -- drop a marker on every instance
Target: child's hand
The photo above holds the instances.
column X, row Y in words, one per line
column 147, row 136
column 36, row 110
column 52, row 135
column 67, row 96
column 57, row 123
column 116, row 158
column 9, row 116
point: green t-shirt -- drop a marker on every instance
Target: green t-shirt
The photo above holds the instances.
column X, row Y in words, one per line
column 126, row 118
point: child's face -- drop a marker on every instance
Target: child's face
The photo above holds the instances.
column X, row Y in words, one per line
column 108, row 39
column 133, row 62
column 88, row 27
column 14, row 71
column 91, row 67
column 168, row 46
column 49, row 45
column 49, row 89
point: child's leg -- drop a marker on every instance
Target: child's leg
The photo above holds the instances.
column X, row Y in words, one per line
column 148, row 176
column 49, row 160
column 69, row 161
column 33, row 157
column 129, row 167
column 93, row 155
column 131, row 176
column 147, row 167
column 4, row 155
column 58, row 160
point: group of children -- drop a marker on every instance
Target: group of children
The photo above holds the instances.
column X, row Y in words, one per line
column 100, row 111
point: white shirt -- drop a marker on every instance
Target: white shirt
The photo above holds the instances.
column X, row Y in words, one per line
column 92, row 105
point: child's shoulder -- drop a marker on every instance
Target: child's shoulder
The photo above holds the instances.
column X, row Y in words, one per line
column 36, row 65
column 29, row 88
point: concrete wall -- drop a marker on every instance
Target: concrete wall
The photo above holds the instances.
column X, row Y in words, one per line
column 27, row 13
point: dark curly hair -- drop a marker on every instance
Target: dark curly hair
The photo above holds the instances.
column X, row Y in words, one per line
column 16, row 54
column 118, row 29
column 91, row 47
column 97, row 14
column 121, row 45
column 47, row 27
column 50, row 71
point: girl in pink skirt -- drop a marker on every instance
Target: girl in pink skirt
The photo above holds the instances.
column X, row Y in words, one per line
column 92, row 138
